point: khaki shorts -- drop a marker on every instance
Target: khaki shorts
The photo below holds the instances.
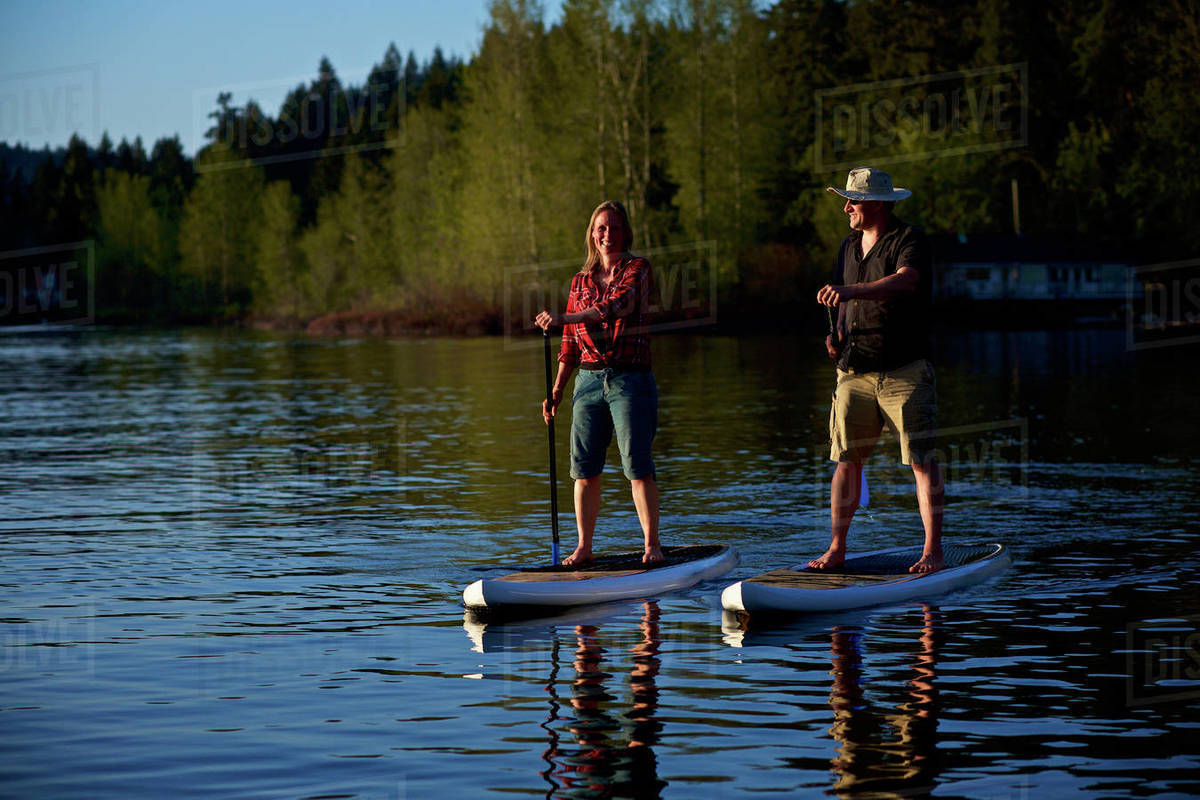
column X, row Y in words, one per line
column 904, row 399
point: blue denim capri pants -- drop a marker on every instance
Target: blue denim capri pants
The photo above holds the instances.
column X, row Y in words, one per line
column 613, row 401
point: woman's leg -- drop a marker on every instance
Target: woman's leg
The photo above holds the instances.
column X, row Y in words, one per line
column 587, row 508
column 645, row 500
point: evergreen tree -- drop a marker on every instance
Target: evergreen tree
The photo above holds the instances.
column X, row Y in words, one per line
column 74, row 212
column 105, row 155
column 131, row 158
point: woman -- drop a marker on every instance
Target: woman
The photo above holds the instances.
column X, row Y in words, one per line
column 605, row 336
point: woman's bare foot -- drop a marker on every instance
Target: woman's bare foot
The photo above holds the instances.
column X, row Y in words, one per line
column 653, row 555
column 930, row 562
column 578, row 559
column 832, row 559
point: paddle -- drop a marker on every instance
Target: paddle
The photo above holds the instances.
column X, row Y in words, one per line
column 550, row 429
column 864, row 494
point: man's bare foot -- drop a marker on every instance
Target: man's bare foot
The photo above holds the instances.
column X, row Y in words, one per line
column 930, row 562
column 578, row 559
column 832, row 559
column 653, row 555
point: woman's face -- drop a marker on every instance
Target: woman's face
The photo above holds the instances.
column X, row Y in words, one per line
column 608, row 233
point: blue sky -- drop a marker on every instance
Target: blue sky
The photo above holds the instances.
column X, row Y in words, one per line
column 135, row 67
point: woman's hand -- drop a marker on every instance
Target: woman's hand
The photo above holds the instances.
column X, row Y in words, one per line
column 545, row 320
column 549, row 409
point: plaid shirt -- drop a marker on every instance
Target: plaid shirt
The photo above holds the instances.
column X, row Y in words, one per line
column 621, row 339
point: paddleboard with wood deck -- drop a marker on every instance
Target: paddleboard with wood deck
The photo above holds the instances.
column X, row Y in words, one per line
column 868, row 579
column 605, row 579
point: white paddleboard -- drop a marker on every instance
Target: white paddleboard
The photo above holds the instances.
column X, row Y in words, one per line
column 608, row 578
column 868, row 579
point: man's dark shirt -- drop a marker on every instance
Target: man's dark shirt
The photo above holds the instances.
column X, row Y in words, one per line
column 885, row 334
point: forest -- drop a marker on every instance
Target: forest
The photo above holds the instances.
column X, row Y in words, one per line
column 423, row 190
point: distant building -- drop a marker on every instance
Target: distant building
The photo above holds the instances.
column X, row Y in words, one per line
column 994, row 267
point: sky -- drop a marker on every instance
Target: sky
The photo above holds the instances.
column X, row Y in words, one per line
column 154, row 68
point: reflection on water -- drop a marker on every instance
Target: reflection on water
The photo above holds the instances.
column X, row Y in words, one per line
column 884, row 727
column 884, row 751
column 232, row 565
column 599, row 738
column 608, row 752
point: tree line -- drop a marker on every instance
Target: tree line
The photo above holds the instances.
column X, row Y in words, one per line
column 714, row 121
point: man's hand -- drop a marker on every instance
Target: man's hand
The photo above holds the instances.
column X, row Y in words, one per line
column 829, row 295
column 833, row 347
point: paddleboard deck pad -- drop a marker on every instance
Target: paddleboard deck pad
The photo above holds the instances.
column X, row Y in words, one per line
column 867, row 579
column 607, row 578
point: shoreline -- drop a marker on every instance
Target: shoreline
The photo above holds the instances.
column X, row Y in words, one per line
column 478, row 319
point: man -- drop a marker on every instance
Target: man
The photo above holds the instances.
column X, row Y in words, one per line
column 881, row 291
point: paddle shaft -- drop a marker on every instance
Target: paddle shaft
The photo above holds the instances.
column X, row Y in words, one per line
column 553, row 468
column 864, row 494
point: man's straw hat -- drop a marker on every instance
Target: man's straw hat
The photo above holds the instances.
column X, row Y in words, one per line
column 864, row 183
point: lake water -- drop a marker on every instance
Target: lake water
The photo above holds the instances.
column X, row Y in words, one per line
column 231, row 566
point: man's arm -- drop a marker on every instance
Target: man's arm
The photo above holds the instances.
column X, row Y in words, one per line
column 903, row 281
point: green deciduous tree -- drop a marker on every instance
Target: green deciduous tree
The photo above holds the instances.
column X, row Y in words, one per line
column 216, row 239
column 503, row 142
column 280, row 274
column 133, row 247
column 349, row 253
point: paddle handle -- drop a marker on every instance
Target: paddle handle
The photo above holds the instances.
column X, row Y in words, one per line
column 553, row 467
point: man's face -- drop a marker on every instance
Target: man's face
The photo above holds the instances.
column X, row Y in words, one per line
column 861, row 212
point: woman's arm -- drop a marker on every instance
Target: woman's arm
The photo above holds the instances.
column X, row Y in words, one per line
column 633, row 286
column 550, row 406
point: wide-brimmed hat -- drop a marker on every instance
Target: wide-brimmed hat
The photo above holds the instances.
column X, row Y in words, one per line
column 864, row 183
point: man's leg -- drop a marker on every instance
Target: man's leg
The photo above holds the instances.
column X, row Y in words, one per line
column 587, row 508
column 931, row 498
column 908, row 399
column 844, row 493
column 854, row 427
column 645, row 500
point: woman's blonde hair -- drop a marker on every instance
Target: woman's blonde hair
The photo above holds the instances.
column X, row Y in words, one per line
column 593, row 255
